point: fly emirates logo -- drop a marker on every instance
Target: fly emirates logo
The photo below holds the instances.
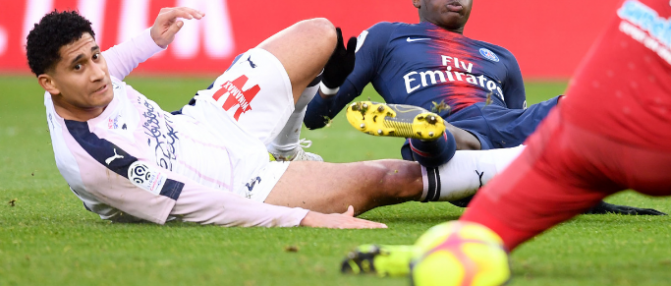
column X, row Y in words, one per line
column 455, row 70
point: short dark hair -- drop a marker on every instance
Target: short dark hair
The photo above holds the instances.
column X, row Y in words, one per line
column 54, row 30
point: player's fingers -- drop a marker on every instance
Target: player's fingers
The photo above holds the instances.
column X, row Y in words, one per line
column 184, row 9
column 181, row 12
column 362, row 223
column 175, row 27
column 340, row 40
column 351, row 45
column 350, row 211
column 174, row 14
column 193, row 12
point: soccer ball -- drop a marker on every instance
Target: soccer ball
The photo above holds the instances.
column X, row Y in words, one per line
column 460, row 253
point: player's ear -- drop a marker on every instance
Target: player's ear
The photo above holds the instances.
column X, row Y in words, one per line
column 47, row 82
column 417, row 3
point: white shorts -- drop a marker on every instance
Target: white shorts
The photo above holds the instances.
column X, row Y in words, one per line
column 256, row 93
column 246, row 108
column 259, row 186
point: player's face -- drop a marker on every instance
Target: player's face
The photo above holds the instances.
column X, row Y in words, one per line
column 451, row 15
column 81, row 79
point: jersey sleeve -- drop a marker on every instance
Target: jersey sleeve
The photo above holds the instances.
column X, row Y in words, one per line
column 513, row 86
column 210, row 206
column 371, row 46
column 123, row 58
column 143, row 190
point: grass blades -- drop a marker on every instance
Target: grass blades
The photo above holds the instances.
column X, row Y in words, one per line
column 48, row 238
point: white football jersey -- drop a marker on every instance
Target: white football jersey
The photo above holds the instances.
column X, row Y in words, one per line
column 137, row 161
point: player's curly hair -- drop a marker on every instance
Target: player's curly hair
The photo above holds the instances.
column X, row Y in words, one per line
column 55, row 30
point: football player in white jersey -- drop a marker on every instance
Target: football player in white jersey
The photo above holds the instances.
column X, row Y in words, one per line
column 129, row 160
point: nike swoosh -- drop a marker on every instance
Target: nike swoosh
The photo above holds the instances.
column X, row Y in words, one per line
column 416, row 39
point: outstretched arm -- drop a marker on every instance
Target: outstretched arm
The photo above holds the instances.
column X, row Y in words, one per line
column 152, row 193
column 136, row 188
column 123, row 58
column 207, row 206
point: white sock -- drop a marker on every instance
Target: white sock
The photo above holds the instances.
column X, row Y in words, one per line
column 465, row 173
column 287, row 141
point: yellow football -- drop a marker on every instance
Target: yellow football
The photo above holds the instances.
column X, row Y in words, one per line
column 461, row 254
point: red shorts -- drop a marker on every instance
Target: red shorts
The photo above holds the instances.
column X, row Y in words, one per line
column 564, row 171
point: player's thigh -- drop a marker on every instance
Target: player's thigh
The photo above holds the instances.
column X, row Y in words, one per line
column 558, row 166
column 547, row 184
column 511, row 127
column 465, row 140
column 303, row 49
column 255, row 93
column 331, row 187
column 610, row 162
column 524, row 201
column 646, row 171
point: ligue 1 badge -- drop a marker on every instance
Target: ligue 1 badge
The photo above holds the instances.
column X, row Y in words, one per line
column 489, row 55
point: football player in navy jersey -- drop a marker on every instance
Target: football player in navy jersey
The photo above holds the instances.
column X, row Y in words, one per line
column 590, row 147
column 475, row 86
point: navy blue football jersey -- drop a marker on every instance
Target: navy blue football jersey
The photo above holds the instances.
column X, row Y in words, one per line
column 425, row 65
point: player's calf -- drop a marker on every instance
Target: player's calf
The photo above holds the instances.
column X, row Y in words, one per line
column 288, row 145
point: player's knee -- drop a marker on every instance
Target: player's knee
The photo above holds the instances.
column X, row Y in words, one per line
column 322, row 31
column 323, row 27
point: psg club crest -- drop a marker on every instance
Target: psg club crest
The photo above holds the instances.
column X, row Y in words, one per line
column 489, row 55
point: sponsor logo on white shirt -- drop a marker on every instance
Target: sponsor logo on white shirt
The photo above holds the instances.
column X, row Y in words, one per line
column 114, row 122
column 146, row 177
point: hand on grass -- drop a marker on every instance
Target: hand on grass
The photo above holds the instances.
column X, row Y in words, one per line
column 167, row 24
column 336, row 220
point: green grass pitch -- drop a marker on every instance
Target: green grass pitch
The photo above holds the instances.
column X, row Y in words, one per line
column 48, row 238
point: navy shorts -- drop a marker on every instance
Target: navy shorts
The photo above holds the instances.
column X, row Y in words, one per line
column 496, row 126
column 500, row 127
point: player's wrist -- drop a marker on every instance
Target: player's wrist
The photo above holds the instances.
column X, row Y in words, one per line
column 339, row 66
column 309, row 219
column 156, row 37
column 327, row 91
